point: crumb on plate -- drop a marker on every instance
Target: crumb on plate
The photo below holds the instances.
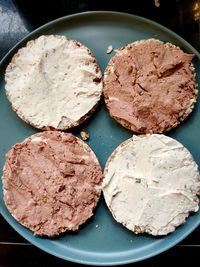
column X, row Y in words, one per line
column 109, row 49
column 84, row 135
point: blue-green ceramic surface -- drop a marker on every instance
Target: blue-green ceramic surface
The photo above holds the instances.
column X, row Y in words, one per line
column 101, row 241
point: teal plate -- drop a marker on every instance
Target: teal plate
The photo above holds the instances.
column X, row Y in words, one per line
column 101, row 241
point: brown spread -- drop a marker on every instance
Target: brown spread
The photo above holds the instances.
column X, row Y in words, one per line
column 150, row 85
column 51, row 182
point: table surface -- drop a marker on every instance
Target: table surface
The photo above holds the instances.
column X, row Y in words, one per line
column 17, row 19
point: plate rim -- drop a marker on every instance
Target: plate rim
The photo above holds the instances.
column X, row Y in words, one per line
column 8, row 217
column 102, row 12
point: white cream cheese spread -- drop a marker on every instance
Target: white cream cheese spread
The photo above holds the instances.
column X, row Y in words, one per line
column 53, row 82
column 151, row 184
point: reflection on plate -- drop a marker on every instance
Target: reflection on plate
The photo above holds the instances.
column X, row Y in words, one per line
column 101, row 241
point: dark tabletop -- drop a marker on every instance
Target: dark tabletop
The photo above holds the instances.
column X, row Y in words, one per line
column 17, row 19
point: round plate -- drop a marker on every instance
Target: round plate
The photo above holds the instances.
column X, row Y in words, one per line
column 101, row 241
